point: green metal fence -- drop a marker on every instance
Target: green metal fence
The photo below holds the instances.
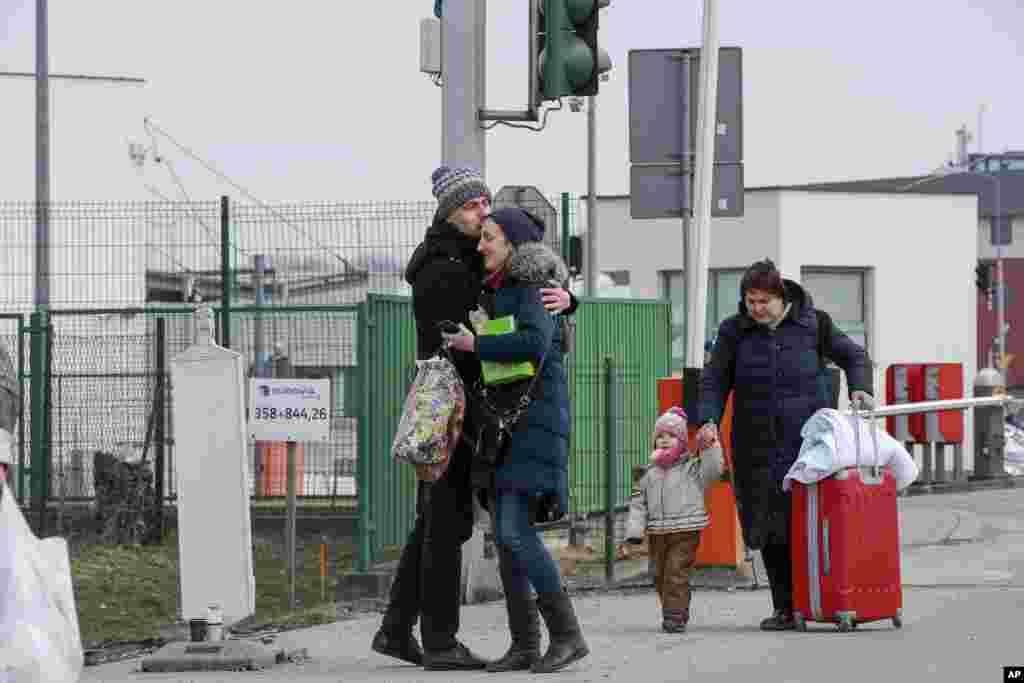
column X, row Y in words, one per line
column 636, row 336
column 387, row 489
column 623, row 347
column 102, row 385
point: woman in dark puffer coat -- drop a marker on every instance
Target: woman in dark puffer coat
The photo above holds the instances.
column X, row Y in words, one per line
column 771, row 356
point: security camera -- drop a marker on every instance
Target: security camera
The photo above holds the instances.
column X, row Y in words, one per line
column 576, row 104
column 137, row 153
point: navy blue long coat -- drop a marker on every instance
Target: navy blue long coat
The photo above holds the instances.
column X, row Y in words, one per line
column 537, row 461
column 778, row 381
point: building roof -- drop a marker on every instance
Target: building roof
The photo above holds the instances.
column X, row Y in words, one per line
column 1011, row 189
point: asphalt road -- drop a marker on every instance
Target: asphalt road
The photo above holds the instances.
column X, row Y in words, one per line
column 963, row 570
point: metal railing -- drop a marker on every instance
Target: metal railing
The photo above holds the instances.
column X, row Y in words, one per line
column 938, row 406
column 990, row 441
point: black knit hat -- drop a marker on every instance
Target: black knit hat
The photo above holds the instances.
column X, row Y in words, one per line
column 518, row 225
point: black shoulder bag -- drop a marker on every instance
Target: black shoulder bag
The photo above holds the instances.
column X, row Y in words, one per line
column 497, row 423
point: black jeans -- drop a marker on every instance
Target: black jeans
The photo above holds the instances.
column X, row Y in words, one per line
column 779, row 563
column 428, row 582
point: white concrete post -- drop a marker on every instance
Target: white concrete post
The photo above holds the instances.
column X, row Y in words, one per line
column 214, row 530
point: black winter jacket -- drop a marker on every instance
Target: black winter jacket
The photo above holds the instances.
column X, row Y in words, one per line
column 446, row 274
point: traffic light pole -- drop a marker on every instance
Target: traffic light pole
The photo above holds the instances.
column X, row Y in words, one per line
column 463, row 66
column 591, row 287
column 698, row 248
column 463, row 58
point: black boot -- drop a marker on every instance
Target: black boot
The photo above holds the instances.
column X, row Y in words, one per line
column 523, row 623
column 457, row 658
column 780, row 620
column 404, row 647
column 566, row 639
column 395, row 638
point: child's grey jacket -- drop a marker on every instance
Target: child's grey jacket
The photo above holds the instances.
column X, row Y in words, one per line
column 672, row 500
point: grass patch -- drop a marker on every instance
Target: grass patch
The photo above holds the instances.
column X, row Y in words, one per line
column 129, row 593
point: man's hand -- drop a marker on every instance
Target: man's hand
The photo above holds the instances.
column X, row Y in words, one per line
column 3, row 471
column 555, row 300
column 463, row 340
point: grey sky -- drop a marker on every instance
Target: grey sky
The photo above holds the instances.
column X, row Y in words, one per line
column 324, row 102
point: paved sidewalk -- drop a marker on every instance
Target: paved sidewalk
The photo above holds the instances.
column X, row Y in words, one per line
column 622, row 625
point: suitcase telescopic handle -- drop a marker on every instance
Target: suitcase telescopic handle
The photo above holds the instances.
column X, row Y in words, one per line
column 855, row 419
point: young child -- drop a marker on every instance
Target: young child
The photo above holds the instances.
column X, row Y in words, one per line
column 669, row 506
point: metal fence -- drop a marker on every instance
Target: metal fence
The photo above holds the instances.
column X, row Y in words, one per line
column 623, row 347
column 325, row 299
column 115, row 267
column 130, row 254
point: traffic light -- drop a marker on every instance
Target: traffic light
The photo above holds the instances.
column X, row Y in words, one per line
column 982, row 277
column 570, row 60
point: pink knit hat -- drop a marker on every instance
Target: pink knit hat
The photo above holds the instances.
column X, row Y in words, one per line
column 673, row 422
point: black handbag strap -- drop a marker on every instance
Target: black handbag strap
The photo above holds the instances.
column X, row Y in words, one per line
column 511, row 417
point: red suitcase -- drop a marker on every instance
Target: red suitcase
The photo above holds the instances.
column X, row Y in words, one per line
column 846, row 549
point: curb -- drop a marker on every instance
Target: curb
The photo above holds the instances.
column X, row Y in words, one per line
column 993, row 484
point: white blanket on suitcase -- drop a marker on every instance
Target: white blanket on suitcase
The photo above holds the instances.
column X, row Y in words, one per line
column 830, row 445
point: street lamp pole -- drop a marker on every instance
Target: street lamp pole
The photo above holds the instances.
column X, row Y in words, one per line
column 1001, row 301
column 42, row 235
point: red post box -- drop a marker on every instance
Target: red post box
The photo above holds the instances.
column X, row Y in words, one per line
column 904, row 383
column 943, row 381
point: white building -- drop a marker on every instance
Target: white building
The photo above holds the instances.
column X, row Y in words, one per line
column 895, row 271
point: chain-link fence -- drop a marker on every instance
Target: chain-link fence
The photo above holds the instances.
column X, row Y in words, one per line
column 130, row 254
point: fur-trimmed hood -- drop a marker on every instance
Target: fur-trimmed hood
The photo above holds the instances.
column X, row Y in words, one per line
column 536, row 263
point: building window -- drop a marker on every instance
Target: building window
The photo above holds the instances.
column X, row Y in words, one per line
column 842, row 293
column 722, row 301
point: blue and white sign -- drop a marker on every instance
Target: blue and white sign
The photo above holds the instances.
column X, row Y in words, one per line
column 289, row 409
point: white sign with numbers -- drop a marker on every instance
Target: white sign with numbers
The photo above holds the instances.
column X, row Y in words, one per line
column 289, row 409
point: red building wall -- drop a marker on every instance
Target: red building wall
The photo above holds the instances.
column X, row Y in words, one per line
column 1013, row 270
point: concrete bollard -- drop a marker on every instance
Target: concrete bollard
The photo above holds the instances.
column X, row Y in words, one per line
column 989, row 426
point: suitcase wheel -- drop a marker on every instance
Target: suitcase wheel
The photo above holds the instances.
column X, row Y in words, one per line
column 897, row 621
column 798, row 619
column 846, row 623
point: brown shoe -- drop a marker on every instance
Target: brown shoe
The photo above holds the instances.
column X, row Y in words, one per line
column 780, row 620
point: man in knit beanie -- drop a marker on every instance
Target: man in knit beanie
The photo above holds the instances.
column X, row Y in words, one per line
column 454, row 187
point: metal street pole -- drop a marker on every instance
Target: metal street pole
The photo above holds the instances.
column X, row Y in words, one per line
column 698, row 250
column 463, row 143
column 42, row 245
column 591, row 196
column 463, row 52
column 1001, row 301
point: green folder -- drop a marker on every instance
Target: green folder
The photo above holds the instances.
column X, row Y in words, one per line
column 503, row 373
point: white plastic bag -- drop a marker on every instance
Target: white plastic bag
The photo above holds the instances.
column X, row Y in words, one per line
column 39, row 637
